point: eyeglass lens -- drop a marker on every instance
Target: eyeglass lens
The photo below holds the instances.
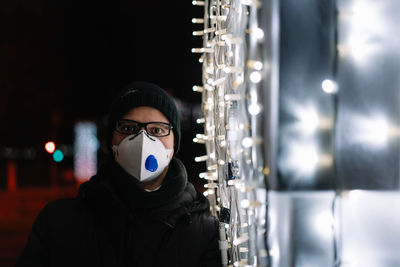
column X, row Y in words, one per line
column 154, row 128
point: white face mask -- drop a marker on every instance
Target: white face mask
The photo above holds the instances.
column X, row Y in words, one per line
column 142, row 156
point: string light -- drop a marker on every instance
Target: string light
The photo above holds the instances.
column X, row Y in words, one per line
column 220, row 32
column 329, row 86
column 201, row 158
column 211, row 185
column 197, row 88
column 257, row 32
column 247, row 142
column 245, row 203
column 202, row 50
column 197, row 20
column 199, row 141
column 254, row 109
column 255, row 76
column 233, row 97
column 200, row 120
column 228, row 114
column 254, row 64
column 198, row 3
column 197, row 33
column 231, row 69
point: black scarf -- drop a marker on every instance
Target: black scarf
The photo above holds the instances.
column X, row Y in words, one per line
column 117, row 202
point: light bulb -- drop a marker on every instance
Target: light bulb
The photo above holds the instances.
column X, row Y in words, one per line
column 254, row 109
column 255, row 76
column 247, row 142
column 329, row 86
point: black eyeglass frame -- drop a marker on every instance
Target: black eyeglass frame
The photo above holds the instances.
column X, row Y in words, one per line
column 144, row 125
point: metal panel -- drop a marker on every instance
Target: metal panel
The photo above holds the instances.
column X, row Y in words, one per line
column 368, row 106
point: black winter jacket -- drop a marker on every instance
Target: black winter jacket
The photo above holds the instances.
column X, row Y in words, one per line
column 113, row 222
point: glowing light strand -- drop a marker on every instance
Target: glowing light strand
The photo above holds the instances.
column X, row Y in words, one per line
column 232, row 71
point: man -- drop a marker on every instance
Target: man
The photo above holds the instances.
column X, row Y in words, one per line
column 139, row 209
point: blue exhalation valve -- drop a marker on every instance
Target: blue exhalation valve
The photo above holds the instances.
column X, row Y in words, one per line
column 151, row 163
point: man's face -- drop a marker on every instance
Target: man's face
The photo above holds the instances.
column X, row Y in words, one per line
column 145, row 114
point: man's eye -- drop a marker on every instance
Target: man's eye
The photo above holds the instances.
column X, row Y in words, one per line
column 157, row 130
column 127, row 128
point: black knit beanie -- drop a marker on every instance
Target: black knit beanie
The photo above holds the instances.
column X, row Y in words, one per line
column 140, row 93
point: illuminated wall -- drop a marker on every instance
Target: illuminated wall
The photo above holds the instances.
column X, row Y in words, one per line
column 301, row 128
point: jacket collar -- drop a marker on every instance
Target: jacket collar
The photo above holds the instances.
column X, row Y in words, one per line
column 112, row 186
column 137, row 198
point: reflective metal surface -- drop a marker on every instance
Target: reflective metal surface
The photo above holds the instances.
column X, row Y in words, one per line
column 360, row 227
column 334, row 199
column 368, row 106
column 306, row 112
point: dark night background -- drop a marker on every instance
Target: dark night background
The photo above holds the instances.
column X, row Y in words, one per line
column 62, row 62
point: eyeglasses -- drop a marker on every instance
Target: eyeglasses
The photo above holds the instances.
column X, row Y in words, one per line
column 157, row 129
